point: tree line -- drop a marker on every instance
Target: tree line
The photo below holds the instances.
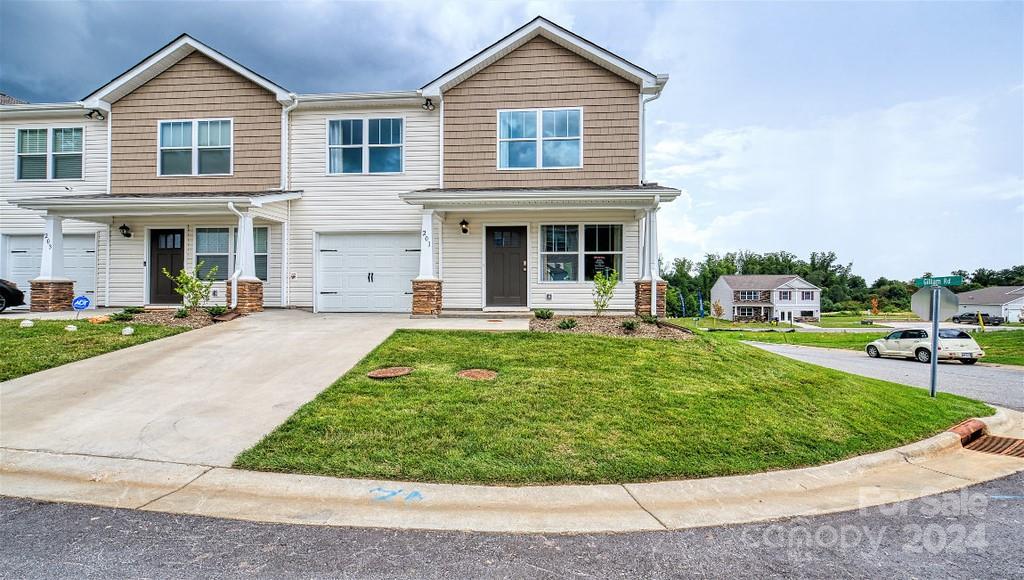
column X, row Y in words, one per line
column 842, row 290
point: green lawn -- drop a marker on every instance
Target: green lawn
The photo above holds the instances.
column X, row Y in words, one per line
column 1003, row 347
column 721, row 323
column 853, row 320
column 47, row 344
column 589, row 409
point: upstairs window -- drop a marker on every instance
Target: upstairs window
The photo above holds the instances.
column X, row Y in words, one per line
column 365, row 146
column 50, row 153
column 198, row 147
column 785, row 294
column 749, row 295
column 540, row 139
column 807, row 295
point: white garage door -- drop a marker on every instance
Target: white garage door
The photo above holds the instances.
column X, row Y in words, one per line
column 366, row 272
column 24, row 254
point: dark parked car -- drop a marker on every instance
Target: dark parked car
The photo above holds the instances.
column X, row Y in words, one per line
column 10, row 296
column 972, row 318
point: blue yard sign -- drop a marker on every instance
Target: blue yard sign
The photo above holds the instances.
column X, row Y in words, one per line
column 80, row 303
column 700, row 302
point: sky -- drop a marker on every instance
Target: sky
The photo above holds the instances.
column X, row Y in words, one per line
column 891, row 133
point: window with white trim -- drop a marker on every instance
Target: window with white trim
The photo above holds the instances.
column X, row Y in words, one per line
column 785, row 295
column 749, row 294
column 557, row 145
column 365, row 145
column 563, row 258
column 212, row 248
column 745, row 311
column 196, row 147
column 807, row 295
column 54, row 153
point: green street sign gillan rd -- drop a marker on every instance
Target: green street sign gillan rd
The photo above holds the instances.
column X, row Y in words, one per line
column 939, row 281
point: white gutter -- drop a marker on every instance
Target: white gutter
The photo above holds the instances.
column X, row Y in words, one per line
column 440, row 180
column 109, row 149
column 236, row 273
column 285, row 138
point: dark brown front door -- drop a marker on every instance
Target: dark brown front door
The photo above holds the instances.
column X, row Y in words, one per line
column 506, row 266
column 166, row 250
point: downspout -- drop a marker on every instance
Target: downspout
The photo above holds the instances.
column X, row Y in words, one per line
column 643, row 135
column 285, row 138
column 110, row 227
column 237, row 272
column 440, row 140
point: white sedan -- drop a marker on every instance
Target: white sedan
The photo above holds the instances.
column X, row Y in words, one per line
column 953, row 344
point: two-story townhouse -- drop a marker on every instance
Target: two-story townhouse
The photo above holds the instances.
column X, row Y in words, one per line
column 504, row 184
column 786, row 298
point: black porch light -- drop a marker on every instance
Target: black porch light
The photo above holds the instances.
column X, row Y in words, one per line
column 428, row 105
column 125, row 230
column 465, row 226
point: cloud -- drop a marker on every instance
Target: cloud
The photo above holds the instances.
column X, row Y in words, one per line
column 899, row 190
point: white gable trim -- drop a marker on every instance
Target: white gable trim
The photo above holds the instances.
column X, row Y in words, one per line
column 794, row 284
column 650, row 83
column 162, row 60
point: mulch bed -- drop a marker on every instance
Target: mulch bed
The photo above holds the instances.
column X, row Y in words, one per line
column 165, row 317
column 611, row 326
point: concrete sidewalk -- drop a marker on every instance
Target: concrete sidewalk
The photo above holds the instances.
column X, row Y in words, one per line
column 936, row 465
column 201, row 397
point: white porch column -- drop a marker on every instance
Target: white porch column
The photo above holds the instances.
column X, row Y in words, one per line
column 652, row 250
column 427, row 246
column 51, row 268
column 645, row 244
column 246, row 256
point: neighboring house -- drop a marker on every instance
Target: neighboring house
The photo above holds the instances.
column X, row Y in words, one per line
column 767, row 297
column 503, row 184
column 6, row 99
column 1005, row 301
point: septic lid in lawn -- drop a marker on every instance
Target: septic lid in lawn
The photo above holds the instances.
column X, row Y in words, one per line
column 389, row 372
column 478, row 374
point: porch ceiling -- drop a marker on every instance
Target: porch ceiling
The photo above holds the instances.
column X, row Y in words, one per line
column 103, row 207
column 543, row 198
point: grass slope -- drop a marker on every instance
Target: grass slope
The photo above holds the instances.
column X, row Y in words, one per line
column 47, row 344
column 572, row 408
column 1003, row 347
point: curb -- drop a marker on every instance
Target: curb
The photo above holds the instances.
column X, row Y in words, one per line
column 934, row 465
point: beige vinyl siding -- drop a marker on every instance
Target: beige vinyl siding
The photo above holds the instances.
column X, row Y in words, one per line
column 352, row 202
column 462, row 286
column 128, row 255
column 542, row 74
column 197, row 87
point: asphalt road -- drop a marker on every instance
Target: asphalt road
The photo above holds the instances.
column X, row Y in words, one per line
column 998, row 385
column 971, row 533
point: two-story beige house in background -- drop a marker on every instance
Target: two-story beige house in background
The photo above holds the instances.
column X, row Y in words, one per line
column 504, row 184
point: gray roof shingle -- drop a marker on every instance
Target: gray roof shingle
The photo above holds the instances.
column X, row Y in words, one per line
column 992, row 296
column 758, row 281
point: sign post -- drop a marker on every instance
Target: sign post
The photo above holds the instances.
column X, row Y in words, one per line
column 941, row 304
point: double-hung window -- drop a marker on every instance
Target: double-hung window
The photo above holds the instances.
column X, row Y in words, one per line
column 745, row 311
column 540, row 139
column 195, row 147
column 785, row 295
column 563, row 257
column 365, row 146
column 219, row 246
column 807, row 295
column 749, row 294
column 50, row 153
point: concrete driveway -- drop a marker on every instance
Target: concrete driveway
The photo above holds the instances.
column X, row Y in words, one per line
column 199, row 397
column 999, row 385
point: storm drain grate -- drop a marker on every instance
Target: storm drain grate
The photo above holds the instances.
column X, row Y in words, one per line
column 998, row 445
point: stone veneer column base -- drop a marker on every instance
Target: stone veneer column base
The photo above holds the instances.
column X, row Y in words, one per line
column 643, row 297
column 51, row 295
column 426, row 297
column 250, row 296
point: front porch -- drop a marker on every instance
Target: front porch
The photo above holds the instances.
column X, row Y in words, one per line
column 512, row 251
column 753, row 313
column 238, row 237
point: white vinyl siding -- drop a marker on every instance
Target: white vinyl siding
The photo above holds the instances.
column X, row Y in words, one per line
column 356, row 202
column 463, row 259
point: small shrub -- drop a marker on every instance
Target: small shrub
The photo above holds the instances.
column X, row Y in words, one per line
column 649, row 318
column 216, row 310
column 604, row 287
column 567, row 323
column 629, row 325
column 194, row 291
column 181, row 312
column 124, row 316
column 543, row 313
column 134, row 309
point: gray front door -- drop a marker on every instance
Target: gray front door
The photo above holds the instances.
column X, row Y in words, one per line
column 506, row 265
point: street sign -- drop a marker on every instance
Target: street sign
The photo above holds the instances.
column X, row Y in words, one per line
column 921, row 303
column 81, row 303
column 939, row 281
